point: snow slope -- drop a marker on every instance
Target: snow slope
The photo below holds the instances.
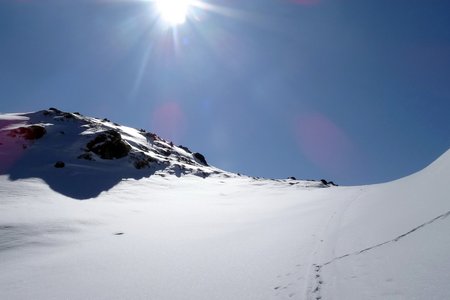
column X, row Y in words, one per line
column 179, row 229
column 396, row 236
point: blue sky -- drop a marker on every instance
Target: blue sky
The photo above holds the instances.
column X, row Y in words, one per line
column 352, row 91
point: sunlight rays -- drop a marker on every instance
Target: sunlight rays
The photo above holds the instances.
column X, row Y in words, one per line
column 173, row 12
column 175, row 21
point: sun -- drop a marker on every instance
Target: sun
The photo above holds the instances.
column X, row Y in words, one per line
column 173, row 12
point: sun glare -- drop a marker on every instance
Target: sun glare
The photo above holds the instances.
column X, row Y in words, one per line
column 173, row 11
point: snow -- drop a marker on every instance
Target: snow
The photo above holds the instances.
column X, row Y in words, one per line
column 402, row 228
column 13, row 117
column 161, row 236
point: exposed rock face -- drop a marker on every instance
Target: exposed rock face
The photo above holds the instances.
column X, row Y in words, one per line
column 109, row 145
column 60, row 164
column 86, row 144
column 200, row 158
column 32, row 132
column 328, row 183
column 142, row 161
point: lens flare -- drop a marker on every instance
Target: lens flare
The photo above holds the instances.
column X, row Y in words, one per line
column 173, row 11
column 168, row 120
column 325, row 144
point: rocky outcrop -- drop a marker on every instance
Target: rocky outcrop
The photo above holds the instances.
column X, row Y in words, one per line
column 32, row 132
column 109, row 145
column 200, row 158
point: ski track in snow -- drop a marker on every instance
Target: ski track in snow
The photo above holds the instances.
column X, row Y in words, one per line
column 317, row 268
column 333, row 222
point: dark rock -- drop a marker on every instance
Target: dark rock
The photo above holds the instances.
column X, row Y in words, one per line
column 142, row 161
column 163, row 152
column 68, row 115
column 185, row 148
column 201, row 173
column 151, row 136
column 109, row 145
column 324, row 181
column 292, row 178
column 200, row 158
column 32, row 132
column 187, row 160
column 55, row 110
column 143, row 148
column 60, row 164
column 140, row 164
column 35, row 132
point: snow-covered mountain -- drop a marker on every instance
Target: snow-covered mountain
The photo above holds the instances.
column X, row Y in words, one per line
column 160, row 223
column 81, row 156
column 92, row 154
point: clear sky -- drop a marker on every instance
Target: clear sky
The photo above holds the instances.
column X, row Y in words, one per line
column 355, row 91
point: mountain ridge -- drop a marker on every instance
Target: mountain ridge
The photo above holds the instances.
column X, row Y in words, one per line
column 82, row 156
column 91, row 154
